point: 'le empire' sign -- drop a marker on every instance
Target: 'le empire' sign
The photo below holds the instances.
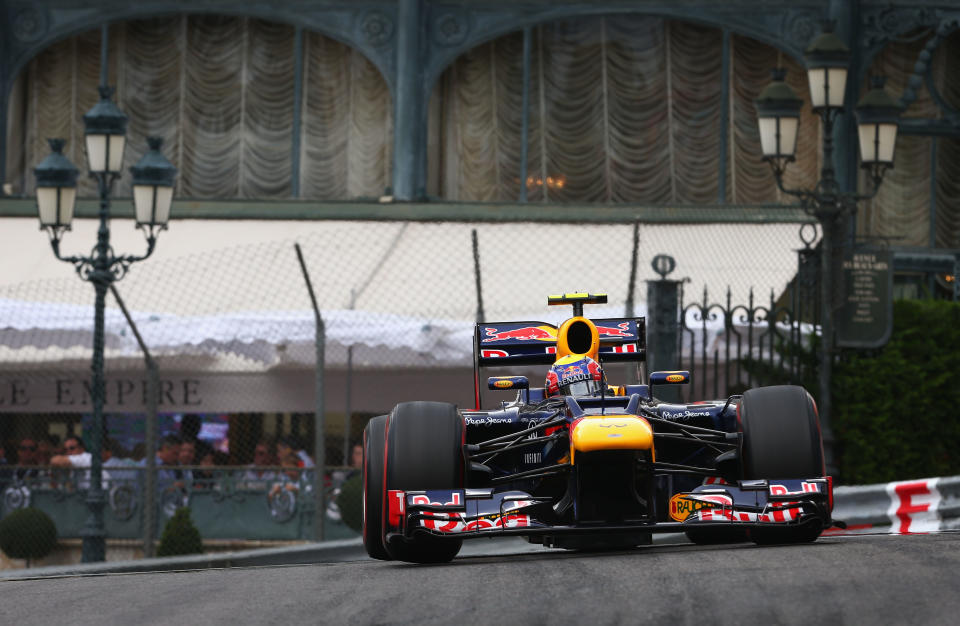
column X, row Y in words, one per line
column 73, row 395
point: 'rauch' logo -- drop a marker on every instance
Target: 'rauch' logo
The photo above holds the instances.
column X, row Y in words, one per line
column 682, row 507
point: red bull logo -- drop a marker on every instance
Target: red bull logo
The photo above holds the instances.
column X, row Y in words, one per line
column 620, row 330
column 526, row 333
column 572, row 373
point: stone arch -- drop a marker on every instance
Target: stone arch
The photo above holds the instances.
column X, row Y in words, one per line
column 34, row 28
column 789, row 31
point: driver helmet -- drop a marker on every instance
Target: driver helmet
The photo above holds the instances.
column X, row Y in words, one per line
column 574, row 375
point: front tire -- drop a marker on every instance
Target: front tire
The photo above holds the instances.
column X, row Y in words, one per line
column 781, row 439
column 374, row 495
column 424, row 451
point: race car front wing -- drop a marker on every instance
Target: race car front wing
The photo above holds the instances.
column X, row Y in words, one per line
column 467, row 513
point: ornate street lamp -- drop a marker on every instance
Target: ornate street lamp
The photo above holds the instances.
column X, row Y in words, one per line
column 778, row 116
column 105, row 134
column 56, row 189
column 153, row 177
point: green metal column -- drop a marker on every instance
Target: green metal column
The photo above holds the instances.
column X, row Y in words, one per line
column 407, row 138
column 932, row 242
column 525, row 114
column 5, row 87
column 838, row 233
column 847, row 16
column 724, row 117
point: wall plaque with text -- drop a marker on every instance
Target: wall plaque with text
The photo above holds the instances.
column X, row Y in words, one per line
column 865, row 319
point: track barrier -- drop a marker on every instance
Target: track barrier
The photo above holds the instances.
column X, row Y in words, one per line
column 903, row 507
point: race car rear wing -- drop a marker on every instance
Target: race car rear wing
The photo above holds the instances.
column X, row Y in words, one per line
column 622, row 339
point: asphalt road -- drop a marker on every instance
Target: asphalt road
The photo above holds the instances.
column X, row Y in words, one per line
column 866, row 579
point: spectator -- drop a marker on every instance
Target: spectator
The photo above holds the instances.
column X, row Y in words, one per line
column 167, row 454
column 356, row 457
column 169, row 484
column 28, row 455
column 292, row 443
column 204, row 479
column 46, row 449
column 356, row 465
column 341, row 476
column 190, row 426
column 187, row 455
column 288, row 457
column 5, row 472
column 291, row 477
column 256, row 477
column 138, row 452
column 114, row 456
column 169, row 451
column 77, row 457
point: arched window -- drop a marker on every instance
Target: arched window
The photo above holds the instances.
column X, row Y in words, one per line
column 909, row 209
column 220, row 91
column 622, row 109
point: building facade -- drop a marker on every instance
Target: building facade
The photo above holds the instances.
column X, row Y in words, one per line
column 640, row 102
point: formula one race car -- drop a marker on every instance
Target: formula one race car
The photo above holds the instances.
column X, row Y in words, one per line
column 583, row 464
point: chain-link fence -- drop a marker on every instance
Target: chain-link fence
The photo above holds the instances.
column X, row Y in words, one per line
column 231, row 332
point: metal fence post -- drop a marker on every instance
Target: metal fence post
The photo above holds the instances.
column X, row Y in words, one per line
column 150, row 433
column 319, row 431
column 663, row 327
column 476, row 273
column 631, row 288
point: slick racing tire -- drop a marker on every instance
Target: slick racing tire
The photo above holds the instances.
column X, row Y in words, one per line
column 781, row 439
column 374, row 495
column 424, row 451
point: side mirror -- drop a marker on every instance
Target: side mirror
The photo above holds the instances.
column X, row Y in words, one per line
column 508, row 382
column 679, row 377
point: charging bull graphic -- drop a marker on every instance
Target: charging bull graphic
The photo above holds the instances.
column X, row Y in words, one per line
column 526, row 333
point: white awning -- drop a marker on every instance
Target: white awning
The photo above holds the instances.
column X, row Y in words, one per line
column 229, row 295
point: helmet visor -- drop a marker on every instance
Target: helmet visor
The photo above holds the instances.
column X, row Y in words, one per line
column 581, row 388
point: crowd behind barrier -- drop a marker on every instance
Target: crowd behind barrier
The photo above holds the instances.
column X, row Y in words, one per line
column 267, row 499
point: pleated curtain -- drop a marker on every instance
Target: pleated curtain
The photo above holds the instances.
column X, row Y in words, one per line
column 624, row 109
column 219, row 91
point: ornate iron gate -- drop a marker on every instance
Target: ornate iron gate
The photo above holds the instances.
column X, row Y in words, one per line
column 730, row 347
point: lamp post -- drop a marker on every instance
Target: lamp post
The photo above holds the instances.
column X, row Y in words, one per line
column 778, row 116
column 105, row 135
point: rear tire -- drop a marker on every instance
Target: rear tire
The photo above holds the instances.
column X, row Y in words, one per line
column 781, row 439
column 374, row 495
column 424, row 451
